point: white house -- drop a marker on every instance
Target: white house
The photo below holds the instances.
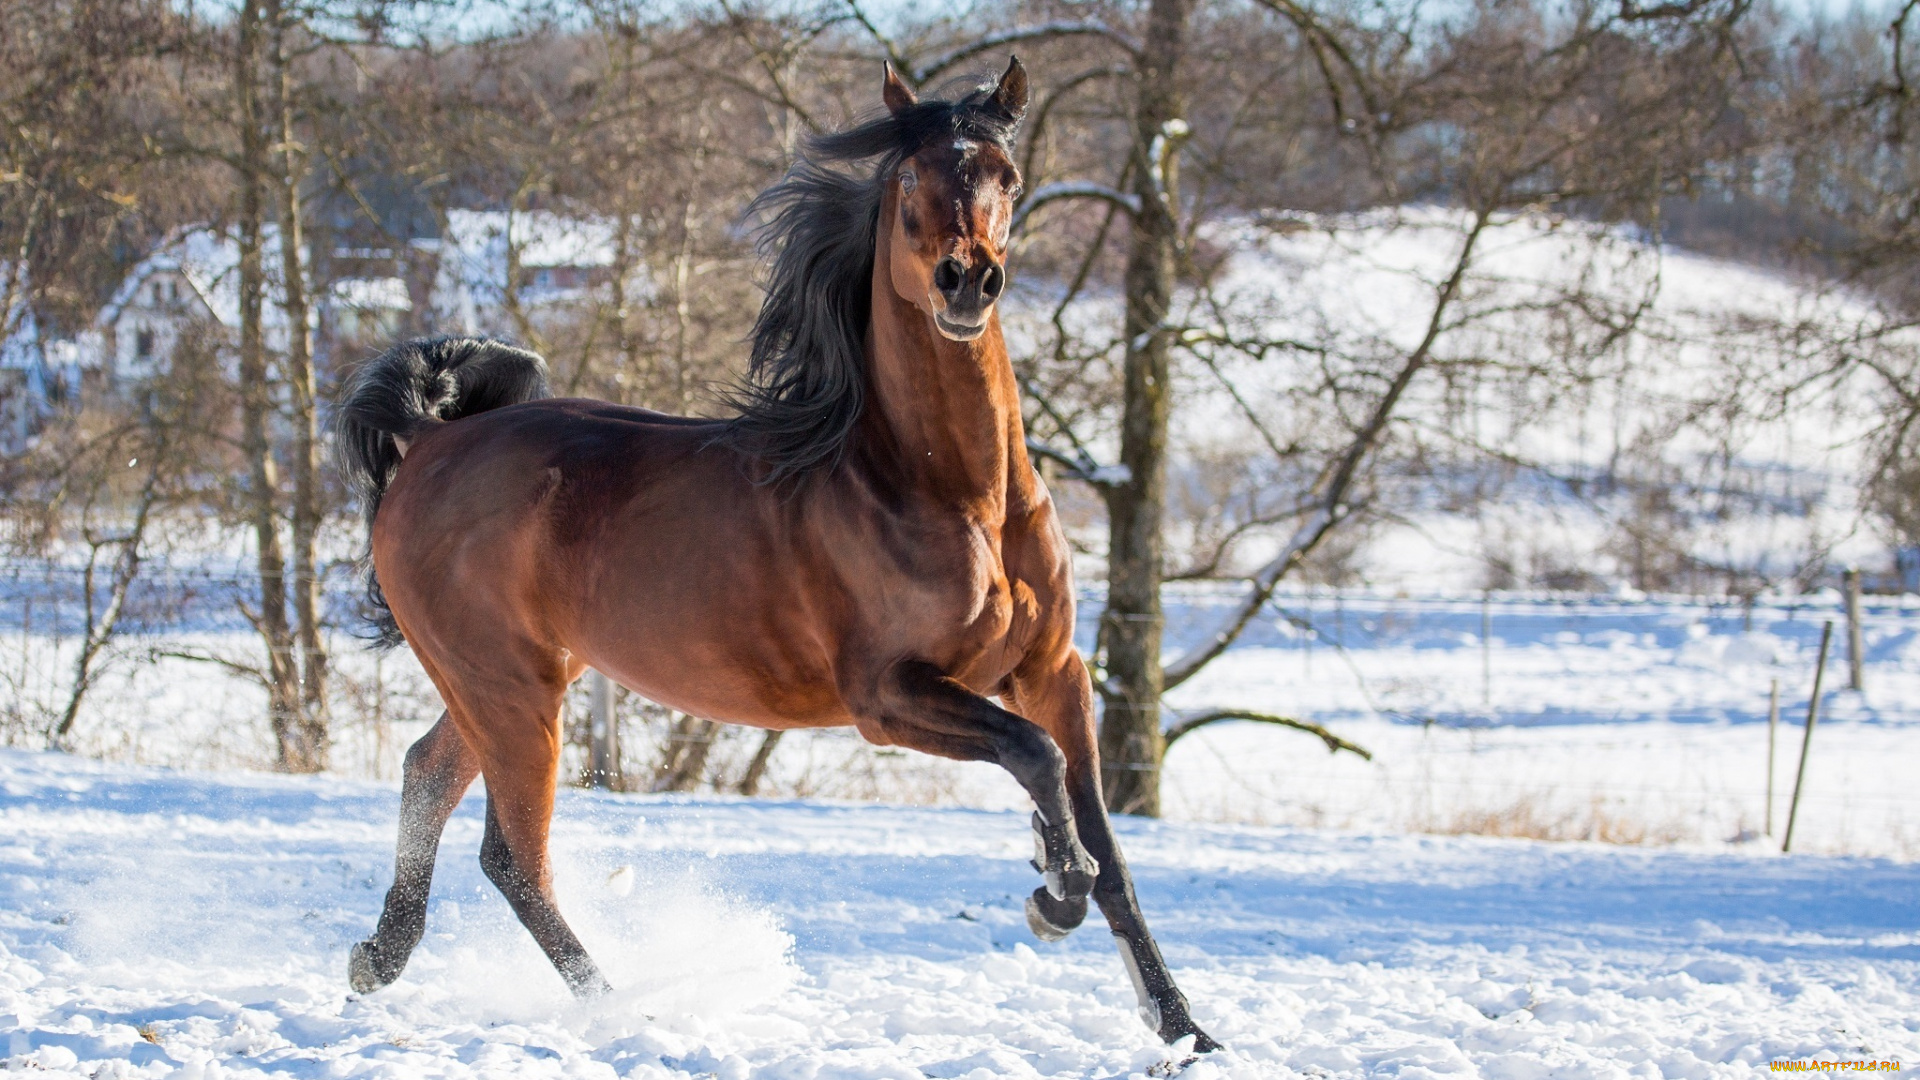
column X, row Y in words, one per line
column 36, row 372
column 191, row 278
column 455, row 284
column 561, row 258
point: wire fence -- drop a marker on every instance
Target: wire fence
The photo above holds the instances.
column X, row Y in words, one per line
column 1561, row 712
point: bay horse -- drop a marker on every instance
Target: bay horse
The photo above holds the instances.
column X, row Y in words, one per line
column 866, row 543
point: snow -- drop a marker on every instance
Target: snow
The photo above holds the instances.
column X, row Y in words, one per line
column 766, row 939
column 1638, row 720
column 544, row 237
column 385, row 293
column 471, row 279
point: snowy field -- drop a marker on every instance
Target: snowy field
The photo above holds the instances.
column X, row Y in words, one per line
column 1634, row 720
column 155, row 923
column 1322, row 912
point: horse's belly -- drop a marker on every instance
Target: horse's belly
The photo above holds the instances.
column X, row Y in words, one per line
column 738, row 670
column 720, row 698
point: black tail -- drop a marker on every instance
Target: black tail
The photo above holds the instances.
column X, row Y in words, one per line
column 400, row 392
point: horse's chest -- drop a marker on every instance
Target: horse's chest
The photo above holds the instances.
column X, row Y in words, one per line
column 961, row 599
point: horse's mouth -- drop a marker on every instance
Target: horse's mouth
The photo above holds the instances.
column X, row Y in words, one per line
column 955, row 330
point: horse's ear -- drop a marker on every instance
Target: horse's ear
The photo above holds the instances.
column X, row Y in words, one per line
column 895, row 92
column 1011, row 95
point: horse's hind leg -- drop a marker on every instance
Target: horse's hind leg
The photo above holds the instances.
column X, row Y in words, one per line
column 514, row 856
column 439, row 769
column 504, row 690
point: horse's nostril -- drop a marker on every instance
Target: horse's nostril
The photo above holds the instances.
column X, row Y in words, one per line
column 992, row 282
column 948, row 275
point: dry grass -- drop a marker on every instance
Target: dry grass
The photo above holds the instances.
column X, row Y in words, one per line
column 1528, row 817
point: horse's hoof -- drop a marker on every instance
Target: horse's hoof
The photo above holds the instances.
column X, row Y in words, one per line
column 363, row 968
column 1051, row 919
column 1202, row 1042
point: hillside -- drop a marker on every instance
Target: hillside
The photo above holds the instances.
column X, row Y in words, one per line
column 1598, row 409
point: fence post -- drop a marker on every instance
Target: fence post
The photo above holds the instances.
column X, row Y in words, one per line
column 1486, row 651
column 604, row 768
column 1854, row 659
column 1773, row 727
column 1806, row 740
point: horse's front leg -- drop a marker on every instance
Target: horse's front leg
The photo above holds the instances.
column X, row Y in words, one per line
column 922, row 708
column 1056, row 694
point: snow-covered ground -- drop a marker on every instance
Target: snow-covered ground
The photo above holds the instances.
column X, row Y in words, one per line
column 1641, row 721
column 1316, row 929
column 156, row 924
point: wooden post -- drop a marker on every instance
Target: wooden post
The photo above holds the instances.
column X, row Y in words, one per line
column 1306, row 631
column 1806, row 740
column 1855, row 659
column 1486, row 651
column 1773, row 727
column 604, row 768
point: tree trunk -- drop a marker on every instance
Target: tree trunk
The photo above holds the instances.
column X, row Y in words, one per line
column 312, row 722
column 683, row 761
column 757, row 768
column 1131, row 744
column 256, row 403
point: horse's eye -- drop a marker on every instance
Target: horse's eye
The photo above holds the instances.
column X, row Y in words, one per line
column 908, row 181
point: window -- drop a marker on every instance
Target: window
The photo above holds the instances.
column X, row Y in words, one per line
column 143, row 343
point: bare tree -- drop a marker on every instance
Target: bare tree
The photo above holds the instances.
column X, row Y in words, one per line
column 108, row 481
column 1535, row 113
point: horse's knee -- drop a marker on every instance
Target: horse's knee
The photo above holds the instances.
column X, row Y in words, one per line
column 418, row 761
column 430, row 766
column 1033, row 758
column 496, row 861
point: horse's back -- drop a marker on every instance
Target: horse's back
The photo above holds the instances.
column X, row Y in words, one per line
column 476, row 502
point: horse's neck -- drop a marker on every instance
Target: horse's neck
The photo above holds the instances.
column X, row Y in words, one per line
column 949, row 410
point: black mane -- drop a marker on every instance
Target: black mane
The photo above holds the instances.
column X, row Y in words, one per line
column 806, row 379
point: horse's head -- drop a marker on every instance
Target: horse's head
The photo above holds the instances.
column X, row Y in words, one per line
column 949, row 210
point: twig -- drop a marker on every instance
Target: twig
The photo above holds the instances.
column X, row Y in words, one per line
column 234, row 667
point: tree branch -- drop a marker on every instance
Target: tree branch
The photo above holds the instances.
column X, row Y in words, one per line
column 1335, row 743
column 1339, row 478
column 989, row 42
column 1073, row 189
column 247, row 671
column 1081, row 466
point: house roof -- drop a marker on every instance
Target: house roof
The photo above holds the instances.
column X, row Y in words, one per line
column 373, row 294
column 545, row 239
column 209, row 260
